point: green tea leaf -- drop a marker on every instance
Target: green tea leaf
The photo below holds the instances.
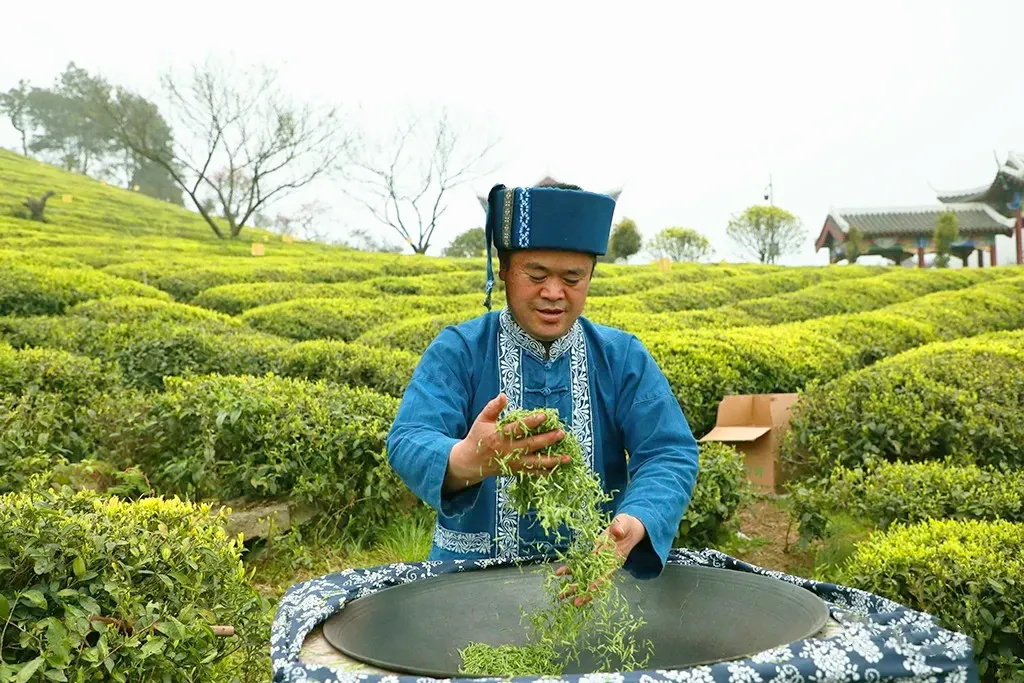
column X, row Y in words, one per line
column 5, row 609
column 78, row 566
column 29, row 670
column 35, row 598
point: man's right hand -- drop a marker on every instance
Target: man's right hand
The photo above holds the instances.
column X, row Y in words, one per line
column 475, row 457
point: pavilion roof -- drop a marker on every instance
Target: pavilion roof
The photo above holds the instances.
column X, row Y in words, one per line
column 974, row 217
column 1009, row 176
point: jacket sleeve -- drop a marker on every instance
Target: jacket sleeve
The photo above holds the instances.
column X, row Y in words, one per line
column 663, row 459
column 432, row 417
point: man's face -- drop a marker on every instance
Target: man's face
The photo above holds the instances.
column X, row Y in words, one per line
column 546, row 290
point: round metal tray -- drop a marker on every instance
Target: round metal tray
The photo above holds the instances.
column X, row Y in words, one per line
column 693, row 615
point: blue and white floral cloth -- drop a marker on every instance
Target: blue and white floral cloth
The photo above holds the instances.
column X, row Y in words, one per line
column 879, row 639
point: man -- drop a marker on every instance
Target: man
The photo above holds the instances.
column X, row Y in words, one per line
column 538, row 352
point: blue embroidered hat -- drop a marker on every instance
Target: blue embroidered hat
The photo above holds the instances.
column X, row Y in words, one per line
column 546, row 218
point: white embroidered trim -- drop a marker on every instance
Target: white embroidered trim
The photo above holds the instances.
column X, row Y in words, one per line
column 522, row 339
column 524, row 219
column 462, row 541
column 579, row 384
column 510, row 381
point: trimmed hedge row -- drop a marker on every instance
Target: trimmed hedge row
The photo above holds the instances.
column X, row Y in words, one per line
column 910, row 492
column 969, row 574
column 39, row 431
column 185, row 278
column 52, row 370
column 128, row 309
column 348, row 318
column 704, row 365
column 384, row 370
column 235, row 299
column 130, row 589
column 145, row 351
column 254, row 438
column 962, row 398
column 629, row 284
column 40, row 290
column 700, row 295
column 834, row 298
column 412, row 335
column 185, row 281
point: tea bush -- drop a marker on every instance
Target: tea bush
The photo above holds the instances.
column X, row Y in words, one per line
column 130, row 309
column 959, row 398
column 721, row 489
column 50, row 370
column 127, row 591
column 184, row 281
column 700, row 295
column 40, row 290
column 839, row 297
column 969, row 574
column 642, row 280
column 147, row 351
column 384, row 370
column 347, row 319
column 413, row 335
column 910, row 492
column 39, row 431
column 254, row 438
column 235, row 299
column 238, row 298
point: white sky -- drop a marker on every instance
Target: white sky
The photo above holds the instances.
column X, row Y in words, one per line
column 690, row 106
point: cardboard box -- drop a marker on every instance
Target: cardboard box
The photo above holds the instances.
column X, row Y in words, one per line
column 754, row 425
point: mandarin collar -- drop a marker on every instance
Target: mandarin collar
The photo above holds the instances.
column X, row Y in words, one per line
column 518, row 335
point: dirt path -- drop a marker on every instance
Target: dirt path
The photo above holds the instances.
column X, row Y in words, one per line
column 770, row 539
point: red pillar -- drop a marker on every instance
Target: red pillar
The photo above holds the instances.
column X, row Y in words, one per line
column 993, row 254
column 1020, row 239
column 920, row 257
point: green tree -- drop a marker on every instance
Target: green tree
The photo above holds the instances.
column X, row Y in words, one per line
column 625, row 240
column 127, row 165
column 766, row 232
column 14, row 105
column 469, row 244
column 947, row 231
column 854, row 244
column 68, row 122
column 680, row 244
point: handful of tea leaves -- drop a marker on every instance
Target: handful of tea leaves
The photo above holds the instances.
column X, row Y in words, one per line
column 570, row 496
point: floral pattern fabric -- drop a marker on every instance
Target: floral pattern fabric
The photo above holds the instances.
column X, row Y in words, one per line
column 879, row 640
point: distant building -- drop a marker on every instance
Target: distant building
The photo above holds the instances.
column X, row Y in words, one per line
column 898, row 233
column 547, row 180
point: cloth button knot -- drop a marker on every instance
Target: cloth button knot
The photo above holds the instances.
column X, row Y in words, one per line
column 546, row 391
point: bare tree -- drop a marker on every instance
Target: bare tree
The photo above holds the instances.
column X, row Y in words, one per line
column 238, row 140
column 405, row 182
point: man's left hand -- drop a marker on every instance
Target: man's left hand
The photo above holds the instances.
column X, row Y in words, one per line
column 625, row 531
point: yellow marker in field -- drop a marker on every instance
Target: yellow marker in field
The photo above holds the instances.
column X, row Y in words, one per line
column 136, row 188
column 67, row 199
column 287, row 239
column 258, row 249
column 665, row 264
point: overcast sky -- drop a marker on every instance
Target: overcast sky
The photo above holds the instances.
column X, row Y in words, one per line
column 688, row 106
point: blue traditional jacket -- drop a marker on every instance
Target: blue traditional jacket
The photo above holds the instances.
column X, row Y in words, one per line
column 608, row 391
